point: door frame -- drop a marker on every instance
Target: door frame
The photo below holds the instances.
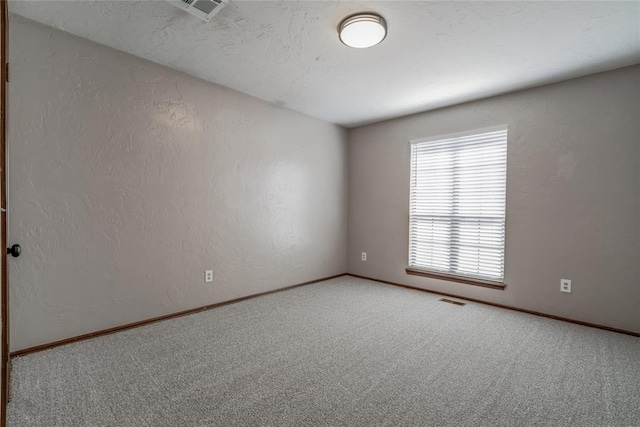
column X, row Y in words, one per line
column 4, row 293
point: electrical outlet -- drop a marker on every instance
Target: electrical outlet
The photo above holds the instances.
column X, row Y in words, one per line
column 208, row 276
column 364, row 256
column 565, row 285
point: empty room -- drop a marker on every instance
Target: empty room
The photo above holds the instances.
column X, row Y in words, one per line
column 320, row 213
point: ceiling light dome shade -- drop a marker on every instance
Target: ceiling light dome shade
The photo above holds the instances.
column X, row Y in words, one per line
column 362, row 30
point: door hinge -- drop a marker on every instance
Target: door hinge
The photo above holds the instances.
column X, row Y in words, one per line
column 6, row 72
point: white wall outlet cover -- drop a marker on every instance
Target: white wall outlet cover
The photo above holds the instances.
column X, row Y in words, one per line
column 565, row 285
column 208, row 276
column 364, row 256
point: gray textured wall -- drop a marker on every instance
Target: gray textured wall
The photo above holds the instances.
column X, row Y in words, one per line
column 573, row 196
column 128, row 180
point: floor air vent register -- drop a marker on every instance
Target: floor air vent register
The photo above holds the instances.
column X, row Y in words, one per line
column 450, row 301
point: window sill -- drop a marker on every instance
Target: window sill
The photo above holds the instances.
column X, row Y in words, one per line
column 459, row 279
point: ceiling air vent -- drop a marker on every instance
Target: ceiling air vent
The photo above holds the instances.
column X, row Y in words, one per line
column 203, row 9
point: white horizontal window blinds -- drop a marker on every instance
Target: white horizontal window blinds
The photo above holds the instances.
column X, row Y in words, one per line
column 457, row 208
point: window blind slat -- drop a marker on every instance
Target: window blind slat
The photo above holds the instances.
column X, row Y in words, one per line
column 457, row 207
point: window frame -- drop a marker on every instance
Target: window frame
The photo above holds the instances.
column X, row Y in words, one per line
column 448, row 276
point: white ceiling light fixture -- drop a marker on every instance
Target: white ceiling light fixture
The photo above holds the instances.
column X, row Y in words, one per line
column 362, row 30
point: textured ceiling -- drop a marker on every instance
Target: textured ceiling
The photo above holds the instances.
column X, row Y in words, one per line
column 436, row 53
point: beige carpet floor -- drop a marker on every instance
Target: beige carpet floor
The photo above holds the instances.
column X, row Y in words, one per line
column 346, row 352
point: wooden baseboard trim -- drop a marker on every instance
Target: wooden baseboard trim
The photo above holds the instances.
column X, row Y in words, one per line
column 42, row 347
column 508, row 307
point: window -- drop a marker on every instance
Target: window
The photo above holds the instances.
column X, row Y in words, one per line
column 457, row 207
